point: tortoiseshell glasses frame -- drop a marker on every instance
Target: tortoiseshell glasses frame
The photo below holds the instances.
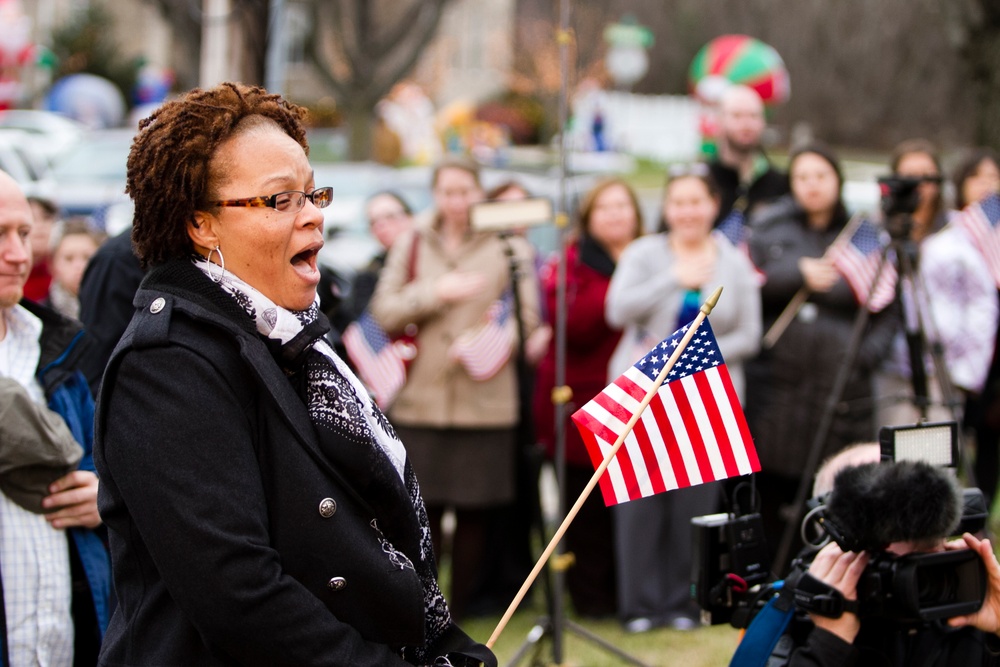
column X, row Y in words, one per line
column 290, row 201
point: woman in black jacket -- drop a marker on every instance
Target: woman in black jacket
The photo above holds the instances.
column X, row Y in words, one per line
column 260, row 508
column 788, row 386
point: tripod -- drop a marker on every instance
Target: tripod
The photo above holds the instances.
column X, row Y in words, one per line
column 554, row 626
column 902, row 252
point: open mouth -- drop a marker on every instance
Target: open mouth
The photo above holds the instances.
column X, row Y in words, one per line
column 305, row 262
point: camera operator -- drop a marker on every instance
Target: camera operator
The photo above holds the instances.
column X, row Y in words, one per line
column 911, row 507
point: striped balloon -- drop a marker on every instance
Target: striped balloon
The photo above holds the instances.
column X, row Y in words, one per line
column 744, row 60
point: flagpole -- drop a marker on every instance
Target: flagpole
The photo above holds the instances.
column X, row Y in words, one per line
column 797, row 301
column 704, row 312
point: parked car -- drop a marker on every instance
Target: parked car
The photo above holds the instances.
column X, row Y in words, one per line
column 48, row 134
column 17, row 161
column 91, row 176
column 349, row 243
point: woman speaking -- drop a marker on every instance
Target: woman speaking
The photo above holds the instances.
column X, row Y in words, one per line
column 260, row 508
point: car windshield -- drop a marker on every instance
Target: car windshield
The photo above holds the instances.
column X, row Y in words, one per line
column 94, row 160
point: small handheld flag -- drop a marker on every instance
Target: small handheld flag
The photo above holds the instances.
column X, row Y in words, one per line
column 484, row 350
column 857, row 259
column 981, row 220
column 380, row 362
column 733, row 228
column 693, row 431
column 639, row 411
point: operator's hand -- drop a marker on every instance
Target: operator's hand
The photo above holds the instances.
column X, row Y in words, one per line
column 456, row 286
column 841, row 570
column 987, row 618
column 818, row 273
column 75, row 496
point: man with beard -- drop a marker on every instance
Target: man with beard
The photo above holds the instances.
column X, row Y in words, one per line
column 745, row 176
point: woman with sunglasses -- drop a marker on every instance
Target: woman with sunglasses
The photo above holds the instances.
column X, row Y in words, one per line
column 260, row 508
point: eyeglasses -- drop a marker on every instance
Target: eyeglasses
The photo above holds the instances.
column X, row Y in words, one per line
column 680, row 170
column 290, row 201
column 389, row 216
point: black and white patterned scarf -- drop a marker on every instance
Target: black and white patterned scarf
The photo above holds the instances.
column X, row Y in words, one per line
column 339, row 404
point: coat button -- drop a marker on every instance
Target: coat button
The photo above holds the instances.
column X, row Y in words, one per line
column 327, row 507
column 337, row 584
column 157, row 305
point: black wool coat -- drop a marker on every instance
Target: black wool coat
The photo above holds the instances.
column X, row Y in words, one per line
column 236, row 536
column 788, row 386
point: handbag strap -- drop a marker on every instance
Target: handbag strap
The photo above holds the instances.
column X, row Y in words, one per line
column 411, row 267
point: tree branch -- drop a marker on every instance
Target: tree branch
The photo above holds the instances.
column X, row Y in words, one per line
column 398, row 33
column 380, row 86
column 313, row 50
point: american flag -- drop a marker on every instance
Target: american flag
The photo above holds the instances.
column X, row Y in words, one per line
column 379, row 362
column 857, row 259
column 981, row 220
column 693, row 430
column 484, row 350
column 733, row 228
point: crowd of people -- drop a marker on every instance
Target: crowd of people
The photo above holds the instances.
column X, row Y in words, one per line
column 261, row 504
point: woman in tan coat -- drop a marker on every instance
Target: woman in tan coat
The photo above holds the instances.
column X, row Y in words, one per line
column 458, row 412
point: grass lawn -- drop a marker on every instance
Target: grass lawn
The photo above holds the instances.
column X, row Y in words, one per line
column 704, row 647
column 710, row 646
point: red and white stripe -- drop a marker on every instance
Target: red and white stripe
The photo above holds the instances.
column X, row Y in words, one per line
column 692, row 432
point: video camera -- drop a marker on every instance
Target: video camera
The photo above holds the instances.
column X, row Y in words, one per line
column 731, row 564
column 870, row 507
column 899, row 199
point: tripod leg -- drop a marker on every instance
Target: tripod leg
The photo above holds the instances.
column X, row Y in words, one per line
column 604, row 644
column 538, row 632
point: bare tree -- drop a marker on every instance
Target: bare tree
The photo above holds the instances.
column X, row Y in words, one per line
column 864, row 73
column 185, row 19
column 362, row 48
column 974, row 27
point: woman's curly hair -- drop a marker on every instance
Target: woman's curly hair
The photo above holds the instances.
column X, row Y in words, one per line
column 168, row 166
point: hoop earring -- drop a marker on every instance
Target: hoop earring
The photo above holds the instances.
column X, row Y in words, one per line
column 222, row 262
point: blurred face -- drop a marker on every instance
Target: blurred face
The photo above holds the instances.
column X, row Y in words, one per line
column 15, row 242
column 513, row 193
column 814, row 184
column 70, row 259
column 387, row 219
column 689, row 209
column 274, row 251
column 983, row 183
column 613, row 219
column 41, row 232
column 920, row 165
column 455, row 192
column 741, row 120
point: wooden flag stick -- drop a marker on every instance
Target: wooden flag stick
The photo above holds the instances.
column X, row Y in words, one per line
column 705, row 310
column 797, row 301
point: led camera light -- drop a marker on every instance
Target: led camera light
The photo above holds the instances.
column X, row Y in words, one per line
column 936, row 444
